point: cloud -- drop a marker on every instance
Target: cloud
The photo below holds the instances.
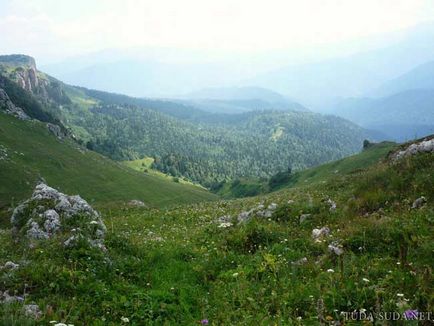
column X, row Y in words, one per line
column 53, row 27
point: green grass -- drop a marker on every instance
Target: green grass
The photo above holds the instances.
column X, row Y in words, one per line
column 247, row 187
column 175, row 266
column 144, row 165
column 352, row 164
column 33, row 153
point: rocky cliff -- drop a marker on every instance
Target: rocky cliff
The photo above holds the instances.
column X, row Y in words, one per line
column 22, row 70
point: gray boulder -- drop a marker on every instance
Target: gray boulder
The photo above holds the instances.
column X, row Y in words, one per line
column 136, row 203
column 32, row 311
column 56, row 130
column 318, row 234
column 418, row 203
column 335, row 249
column 304, row 217
column 426, row 146
column 50, row 213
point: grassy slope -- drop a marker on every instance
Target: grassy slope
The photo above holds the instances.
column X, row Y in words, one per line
column 347, row 165
column 144, row 165
column 176, row 267
column 247, row 187
column 63, row 165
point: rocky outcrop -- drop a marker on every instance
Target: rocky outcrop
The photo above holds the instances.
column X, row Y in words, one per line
column 136, row 203
column 49, row 213
column 22, row 70
column 425, row 146
column 8, row 107
column 259, row 211
column 56, row 130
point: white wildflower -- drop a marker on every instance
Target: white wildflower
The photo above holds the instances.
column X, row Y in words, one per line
column 125, row 319
column 330, row 270
column 365, row 280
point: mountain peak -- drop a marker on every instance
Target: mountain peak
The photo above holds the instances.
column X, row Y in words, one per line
column 18, row 60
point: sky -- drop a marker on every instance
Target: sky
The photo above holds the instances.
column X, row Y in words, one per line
column 56, row 29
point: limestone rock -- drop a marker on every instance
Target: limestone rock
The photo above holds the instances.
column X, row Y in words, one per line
column 7, row 106
column 136, row 203
column 32, row 311
column 317, row 234
column 426, row 146
column 50, row 213
column 418, row 203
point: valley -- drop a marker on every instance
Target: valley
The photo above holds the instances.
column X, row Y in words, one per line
column 216, row 163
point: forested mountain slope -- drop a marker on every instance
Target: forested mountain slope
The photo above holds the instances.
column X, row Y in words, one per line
column 29, row 152
column 185, row 141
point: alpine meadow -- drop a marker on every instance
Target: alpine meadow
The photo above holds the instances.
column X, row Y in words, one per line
column 216, row 162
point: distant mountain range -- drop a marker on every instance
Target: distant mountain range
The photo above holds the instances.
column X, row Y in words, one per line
column 402, row 108
column 317, row 85
column 233, row 100
column 402, row 116
column 421, row 77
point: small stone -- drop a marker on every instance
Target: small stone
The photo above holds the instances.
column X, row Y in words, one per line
column 304, row 217
column 301, row 261
column 136, row 203
column 335, row 249
column 418, row 203
column 32, row 311
column 11, row 266
column 319, row 233
column 272, row 207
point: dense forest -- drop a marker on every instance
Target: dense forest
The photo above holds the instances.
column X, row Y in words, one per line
column 184, row 141
column 208, row 152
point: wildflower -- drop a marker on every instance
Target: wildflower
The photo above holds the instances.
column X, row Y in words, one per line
column 204, row 322
column 125, row 319
column 299, row 318
column 411, row 314
column 93, row 222
column 235, row 274
column 365, row 280
column 400, row 295
column 330, row 270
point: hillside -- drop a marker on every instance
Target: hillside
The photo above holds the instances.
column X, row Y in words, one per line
column 402, row 116
column 247, row 187
column 29, row 152
column 186, row 141
column 357, row 242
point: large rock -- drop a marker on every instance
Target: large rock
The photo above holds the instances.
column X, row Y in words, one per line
column 56, row 130
column 426, row 146
column 8, row 107
column 50, row 213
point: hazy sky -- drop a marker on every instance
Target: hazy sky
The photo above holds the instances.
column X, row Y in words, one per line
column 60, row 28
